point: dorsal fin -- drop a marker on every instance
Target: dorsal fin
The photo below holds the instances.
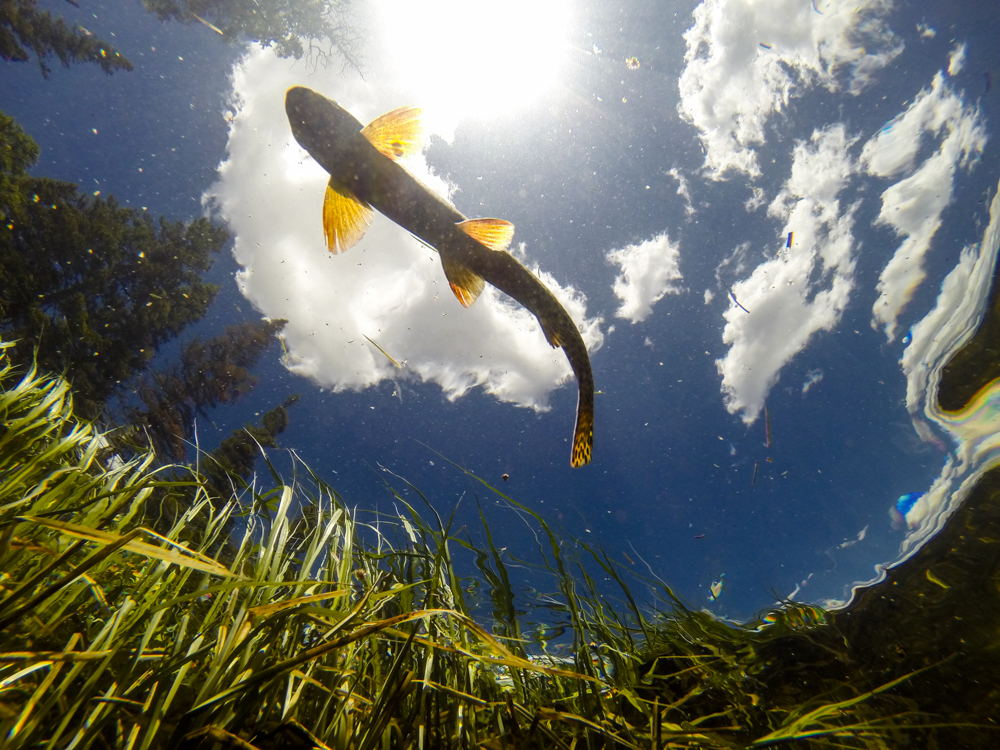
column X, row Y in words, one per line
column 396, row 134
column 496, row 234
column 345, row 219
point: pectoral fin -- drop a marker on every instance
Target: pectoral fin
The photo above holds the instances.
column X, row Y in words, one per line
column 496, row 234
column 467, row 285
column 345, row 219
column 396, row 134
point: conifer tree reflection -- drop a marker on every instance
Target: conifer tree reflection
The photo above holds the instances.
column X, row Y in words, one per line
column 26, row 30
column 209, row 374
column 88, row 287
column 292, row 27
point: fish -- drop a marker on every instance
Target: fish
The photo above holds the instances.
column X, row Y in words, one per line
column 364, row 176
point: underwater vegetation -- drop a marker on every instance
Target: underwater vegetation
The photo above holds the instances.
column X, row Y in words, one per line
column 273, row 616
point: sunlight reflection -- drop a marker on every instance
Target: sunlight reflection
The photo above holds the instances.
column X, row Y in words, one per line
column 474, row 58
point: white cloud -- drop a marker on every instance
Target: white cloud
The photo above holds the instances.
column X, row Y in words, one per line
column 647, row 272
column 683, row 190
column 388, row 287
column 956, row 60
column 781, row 307
column 913, row 205
column 733, row 82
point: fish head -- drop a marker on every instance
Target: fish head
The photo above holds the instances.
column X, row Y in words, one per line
column 322, row 127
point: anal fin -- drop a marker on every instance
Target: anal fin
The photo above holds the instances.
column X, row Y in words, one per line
column 345, row 219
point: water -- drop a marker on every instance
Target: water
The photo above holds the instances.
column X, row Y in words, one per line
column 657, row 202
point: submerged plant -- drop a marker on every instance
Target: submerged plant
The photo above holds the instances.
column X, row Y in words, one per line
column 310, row 627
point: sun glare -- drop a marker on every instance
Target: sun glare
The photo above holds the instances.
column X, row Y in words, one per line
column 473, row 58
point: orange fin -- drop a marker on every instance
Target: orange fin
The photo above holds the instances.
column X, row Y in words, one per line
column 345, row 219
column 466, row 284
column 496, row 234
column 396, row 134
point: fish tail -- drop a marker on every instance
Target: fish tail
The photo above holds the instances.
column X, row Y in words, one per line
column 583, row 435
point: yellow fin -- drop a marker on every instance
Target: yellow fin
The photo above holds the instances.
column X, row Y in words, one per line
column 396, row 134
column 496, row 234
column 345, row 220
column 466, row 284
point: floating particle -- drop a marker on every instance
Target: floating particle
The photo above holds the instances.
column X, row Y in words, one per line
column 716, row 588
column 632, row 63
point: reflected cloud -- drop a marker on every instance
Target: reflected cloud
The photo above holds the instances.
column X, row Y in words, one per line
column 779, row 306
column 734, row 80
column 913, row 205
column 648, row 271
column 975, row 430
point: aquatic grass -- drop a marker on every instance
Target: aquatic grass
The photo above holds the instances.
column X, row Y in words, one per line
column 271, row 615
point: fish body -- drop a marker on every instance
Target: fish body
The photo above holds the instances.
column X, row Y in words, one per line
column 363, row 174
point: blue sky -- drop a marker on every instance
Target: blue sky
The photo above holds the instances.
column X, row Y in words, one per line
column 642, row 196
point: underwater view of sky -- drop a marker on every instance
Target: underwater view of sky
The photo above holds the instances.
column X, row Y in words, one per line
column 771, row 220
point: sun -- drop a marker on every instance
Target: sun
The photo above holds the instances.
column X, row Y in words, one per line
column 473, row 58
